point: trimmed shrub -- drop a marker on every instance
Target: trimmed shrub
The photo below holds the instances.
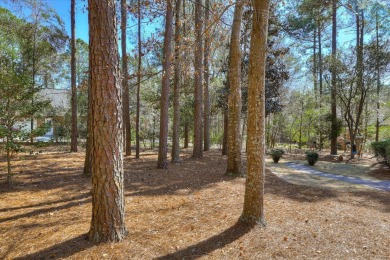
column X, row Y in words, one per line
column 312, row 157
column 276, row 154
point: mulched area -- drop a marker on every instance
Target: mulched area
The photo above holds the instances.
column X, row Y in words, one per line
column 188, row 211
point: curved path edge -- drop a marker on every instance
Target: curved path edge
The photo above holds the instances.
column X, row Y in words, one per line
column 380, row 185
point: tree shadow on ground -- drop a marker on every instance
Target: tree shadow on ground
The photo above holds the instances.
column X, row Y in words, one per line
column 305, row 193
column 46, row 203
column 302, row 193
column 61, row 250
column 39, row 211
column 46, row 178
column 213, row 243
column 142, row 178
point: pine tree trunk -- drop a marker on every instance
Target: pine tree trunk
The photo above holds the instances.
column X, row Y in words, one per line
column 320, row 69
column 198, row 122
column 137, row 120
column 206, row 112
column 234, row 162
column 73, row 141
column 125, row 84
column 378, row 79
column 253, row 212
column 175, row 154
column 333, row 140
column 163, row 139
column 108, row 217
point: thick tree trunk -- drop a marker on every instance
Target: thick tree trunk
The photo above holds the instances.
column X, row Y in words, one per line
column 73, row 141
column 234, row 162
column 108, row 216
column 333, row 140
column 175, row 154
column 206, row 112
column 166, row 74
column 125, row 84
column 137, row 119
column 253, row 212
column 198, row 122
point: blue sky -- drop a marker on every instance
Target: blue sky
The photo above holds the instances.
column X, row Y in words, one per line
column 62, row 7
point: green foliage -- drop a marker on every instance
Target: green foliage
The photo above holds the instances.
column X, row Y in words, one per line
column 41, row 144
column 13, row 147
column 3, row 131
column 335, row 126
column 312, row 157
column 382, row 150
column 276, row 154
column 385, row 132
column 26, row 67
column 41, row 130
column 216, row 138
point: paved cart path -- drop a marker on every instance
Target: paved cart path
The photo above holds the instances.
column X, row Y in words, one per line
column 380, row 185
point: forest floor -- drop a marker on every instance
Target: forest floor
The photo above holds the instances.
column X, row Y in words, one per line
column 191, row 210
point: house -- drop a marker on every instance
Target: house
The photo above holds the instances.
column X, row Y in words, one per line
column 60, row 102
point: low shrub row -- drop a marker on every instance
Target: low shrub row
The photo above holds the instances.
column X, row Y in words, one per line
column 311, row 157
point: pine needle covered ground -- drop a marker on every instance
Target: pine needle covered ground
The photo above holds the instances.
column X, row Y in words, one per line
column 188, row 211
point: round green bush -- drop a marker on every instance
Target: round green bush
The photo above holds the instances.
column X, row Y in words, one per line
column 312, row 157
column 276, row 154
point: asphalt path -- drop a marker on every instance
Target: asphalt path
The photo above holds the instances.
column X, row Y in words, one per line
column 380, row 185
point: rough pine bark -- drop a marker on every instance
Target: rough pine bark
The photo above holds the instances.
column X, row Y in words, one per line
column 73, row 138
column 333, row 140
column 175, row 154
column 108, row 217
column 198, row 122
column 125, row 84
column 137, row 119
column 253, row 212
column 163, row 138
column 234, row 162
column 206, row 110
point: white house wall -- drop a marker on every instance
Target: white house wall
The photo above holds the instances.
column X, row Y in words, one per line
column 59, row 100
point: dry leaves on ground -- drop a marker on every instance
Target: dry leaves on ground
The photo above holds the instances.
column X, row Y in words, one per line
column 188, row 211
